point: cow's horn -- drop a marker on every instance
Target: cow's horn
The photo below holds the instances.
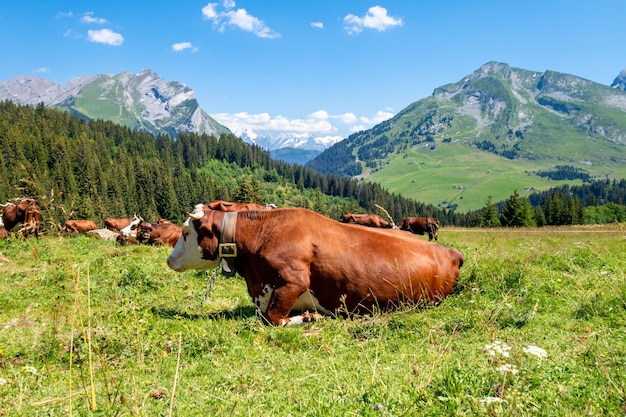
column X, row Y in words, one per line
column 196, row 216
column 198, row 212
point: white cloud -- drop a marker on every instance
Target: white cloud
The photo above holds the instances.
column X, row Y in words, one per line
column 319, row 115
column 40, row 70
column 89, row 18
column 209, row 11
column 181, row 46
column 320, row 124
column 318, row 25
column 347, row 118
column 376, row 18
column 106, row 36
column 379, row 116
column 239, row 18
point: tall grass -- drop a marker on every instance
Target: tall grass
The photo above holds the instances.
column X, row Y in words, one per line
column 88, row 328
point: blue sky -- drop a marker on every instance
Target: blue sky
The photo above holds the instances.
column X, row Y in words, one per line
column 327, row 67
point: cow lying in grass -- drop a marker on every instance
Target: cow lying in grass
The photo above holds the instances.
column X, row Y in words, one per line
column 298, row 260
column 369, row 220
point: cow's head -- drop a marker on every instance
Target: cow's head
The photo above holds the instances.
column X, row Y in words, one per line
column 131, row 229
column 143, row 229
column 197, row 247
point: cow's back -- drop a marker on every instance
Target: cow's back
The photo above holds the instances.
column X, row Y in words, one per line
column 368, row 265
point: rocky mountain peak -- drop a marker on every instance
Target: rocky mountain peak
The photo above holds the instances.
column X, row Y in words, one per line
column 140, row 101
column 620, row 81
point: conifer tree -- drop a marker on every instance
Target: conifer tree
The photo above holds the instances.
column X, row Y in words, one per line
column 517, row 212
column 489, row 214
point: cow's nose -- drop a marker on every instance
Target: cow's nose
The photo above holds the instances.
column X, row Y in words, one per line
column 170, row 263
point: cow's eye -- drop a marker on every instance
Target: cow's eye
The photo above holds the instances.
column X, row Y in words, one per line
column 185, row 234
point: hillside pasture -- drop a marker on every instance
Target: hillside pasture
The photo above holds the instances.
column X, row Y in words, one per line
column 536, row 327
column 435, row 176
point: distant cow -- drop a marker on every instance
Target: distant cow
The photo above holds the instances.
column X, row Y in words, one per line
column 222, row 205
column 420, row 226
column 298, row 260
column 166, row 234
column 79, row 226
column 117, row 224
column 130, row 231
column 27, row 213
column 3, row 232
column 370, row 220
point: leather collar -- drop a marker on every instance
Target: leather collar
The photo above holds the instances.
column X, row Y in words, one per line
column 227, row 248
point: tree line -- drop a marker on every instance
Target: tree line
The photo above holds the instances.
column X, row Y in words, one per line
column 96, row 169
column 599, row 202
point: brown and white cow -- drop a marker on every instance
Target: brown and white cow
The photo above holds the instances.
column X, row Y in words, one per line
column 116, row 224
column 130, row 231
column 79, row 226
column 3, row 231
column 420, row 226
column 370, row 220
column 27, row 213
column 166, row 234
column 229, row 206
column 298, row 260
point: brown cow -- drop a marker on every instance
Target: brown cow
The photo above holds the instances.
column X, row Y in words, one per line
column 79, row 226
column 229, row 206
column 3, row 232
column 298, row 260
column 116, row 224
column 166, row 234
column 27, row 213
column 370, row 220
column 421, row 225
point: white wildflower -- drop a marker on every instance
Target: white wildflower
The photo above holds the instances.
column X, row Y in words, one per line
column 489, row 400
column 498, row 347
column 537, row 351
column 3, row 381
column 30, row 369
column 507, row 367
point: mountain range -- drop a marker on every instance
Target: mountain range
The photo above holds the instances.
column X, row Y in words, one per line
column 146, row 102
column 140, row 101
column 497, row 130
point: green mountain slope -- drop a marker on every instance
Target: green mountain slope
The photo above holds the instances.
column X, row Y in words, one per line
column 490, row 134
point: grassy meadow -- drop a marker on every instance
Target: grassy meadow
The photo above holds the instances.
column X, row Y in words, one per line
column 536, row 327
column 453, row 174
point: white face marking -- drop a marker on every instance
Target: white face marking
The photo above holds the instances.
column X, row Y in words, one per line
column 187, row 254
column 131, row 229
column 263, row 300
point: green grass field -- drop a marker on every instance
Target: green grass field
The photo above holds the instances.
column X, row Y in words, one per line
column 536, row 327
column 453, row 174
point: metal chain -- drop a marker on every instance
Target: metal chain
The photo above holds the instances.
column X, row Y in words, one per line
column 211, row 284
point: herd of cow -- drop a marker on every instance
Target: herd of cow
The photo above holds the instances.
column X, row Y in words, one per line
column 293, row 259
